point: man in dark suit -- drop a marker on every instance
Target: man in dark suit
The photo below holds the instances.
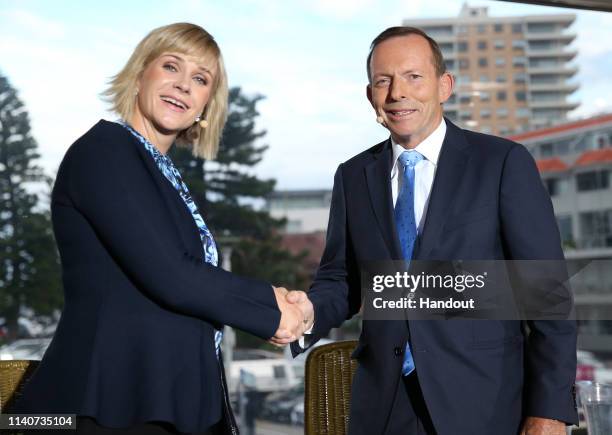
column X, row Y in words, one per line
column 436, row 192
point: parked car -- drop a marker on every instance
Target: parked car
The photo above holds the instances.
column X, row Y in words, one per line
column 297, row 414
column 26, row 348
column 279, row 406
column 268, row 371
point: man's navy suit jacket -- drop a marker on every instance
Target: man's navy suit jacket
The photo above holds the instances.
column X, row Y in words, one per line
column 477, row 376
column 135, row 342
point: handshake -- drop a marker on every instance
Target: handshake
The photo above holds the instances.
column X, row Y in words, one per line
column 297, row 315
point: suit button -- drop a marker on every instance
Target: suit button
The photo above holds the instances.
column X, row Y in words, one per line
column 398, row 351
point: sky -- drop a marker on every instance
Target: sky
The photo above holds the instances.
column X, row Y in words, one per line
column 306, row 57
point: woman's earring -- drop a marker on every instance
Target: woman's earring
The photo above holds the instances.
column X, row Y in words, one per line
column 203, row 123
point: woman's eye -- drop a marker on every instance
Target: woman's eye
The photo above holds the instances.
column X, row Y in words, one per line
column 170, row 67
column 201, row 80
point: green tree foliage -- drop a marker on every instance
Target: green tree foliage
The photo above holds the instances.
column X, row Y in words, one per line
column 29, row 262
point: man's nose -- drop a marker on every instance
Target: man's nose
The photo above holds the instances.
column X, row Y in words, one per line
column 398, row 91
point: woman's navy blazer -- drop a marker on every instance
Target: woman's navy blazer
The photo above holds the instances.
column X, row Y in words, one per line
column 135, row 341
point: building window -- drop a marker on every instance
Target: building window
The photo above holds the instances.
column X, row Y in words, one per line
column 498, row 27
column 517, row 28
column 565, row 230
column 555, row 185
column 481, row 28
column 483, row 79
column 504, row 130
column 546, row 150
column 462, row 30
column 500, row 61
column 485, row 113
column 519, row 44
column 482, row 61
column 499, row 44
column 464, row 63
column 502, row 112
column 450, row 64
column 520, row 78
column 452, row 99
column 593, row 180
column 501, row 78
column 485, row 96
column 520, row 95
column 501, row 95
column 596, row 229
column 465, row 99
column 482, row 45
column 463, row 80
column 523, row 112
column 462, row 46
column 465, row 115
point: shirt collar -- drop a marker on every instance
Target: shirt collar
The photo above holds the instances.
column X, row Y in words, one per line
column 429, row 148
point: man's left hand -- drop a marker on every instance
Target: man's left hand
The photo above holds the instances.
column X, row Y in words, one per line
column 542, row 426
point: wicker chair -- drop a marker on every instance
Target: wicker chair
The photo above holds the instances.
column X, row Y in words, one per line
column 13, row 373
column 329, row 374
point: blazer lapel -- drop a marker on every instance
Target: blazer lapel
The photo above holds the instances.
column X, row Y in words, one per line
column 378, row 178
column 451, row 165
column 185, row 226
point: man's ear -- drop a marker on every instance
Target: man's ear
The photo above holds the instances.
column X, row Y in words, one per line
column 369, row 95
column 446, row 85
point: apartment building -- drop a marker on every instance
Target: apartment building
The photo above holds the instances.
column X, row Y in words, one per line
column 306, row 211
column 575, row 163
column 513, row 74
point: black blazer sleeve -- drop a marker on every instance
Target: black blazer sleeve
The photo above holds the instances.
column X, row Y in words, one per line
column 335, row 292
column 530, row 232
column 106, row 180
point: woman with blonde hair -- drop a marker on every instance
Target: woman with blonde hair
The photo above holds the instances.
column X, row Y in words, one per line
column 137, row 349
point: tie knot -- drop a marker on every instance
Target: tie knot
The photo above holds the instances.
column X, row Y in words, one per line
column 410, row 158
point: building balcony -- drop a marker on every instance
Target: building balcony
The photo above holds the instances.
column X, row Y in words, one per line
column 557, row 52
column 564, row 88
column 445, row 37
column 552, row 104
column 567, row 71
column 552, row 36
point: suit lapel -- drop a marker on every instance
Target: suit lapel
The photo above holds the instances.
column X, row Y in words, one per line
column 451, row 166
column 181, row 216
column 378, row 178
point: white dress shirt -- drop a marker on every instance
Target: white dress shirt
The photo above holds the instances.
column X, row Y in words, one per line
column 424, row 173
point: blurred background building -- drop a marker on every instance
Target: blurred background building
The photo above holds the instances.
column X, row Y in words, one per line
column 513, row 74
column 575, row 161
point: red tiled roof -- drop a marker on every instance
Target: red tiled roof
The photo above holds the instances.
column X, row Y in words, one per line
column 594, row 156
column 562, row 128
column 550, row 165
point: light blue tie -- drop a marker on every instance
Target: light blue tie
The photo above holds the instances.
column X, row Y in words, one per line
column 406, row 224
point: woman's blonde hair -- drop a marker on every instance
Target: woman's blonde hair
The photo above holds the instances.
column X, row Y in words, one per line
column 191, row 40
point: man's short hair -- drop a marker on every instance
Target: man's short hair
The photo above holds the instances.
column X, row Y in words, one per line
column 392, row 32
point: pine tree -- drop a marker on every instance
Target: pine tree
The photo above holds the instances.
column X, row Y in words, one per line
column 224, row 187
column 29, row 263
